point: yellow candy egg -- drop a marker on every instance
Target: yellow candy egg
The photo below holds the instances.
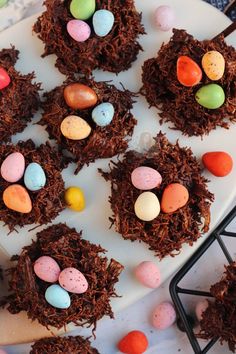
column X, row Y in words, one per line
column 213, row 64
column 75, row 128
column 74, row 198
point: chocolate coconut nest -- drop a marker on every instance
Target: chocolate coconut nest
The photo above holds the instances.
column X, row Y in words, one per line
column 60, row 345
column 165, row 234
column 66, row 246
column 19, row 100
column 103, row 142
column 219, row 319
column 176, row 102
column 48, row 202
column 114, row 52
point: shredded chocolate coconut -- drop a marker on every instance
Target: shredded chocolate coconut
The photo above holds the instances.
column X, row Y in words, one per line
column 48, row 202
column 114, row 52
column 176, row 102
column 19, row 100
column 103, row 142
column 165, row 234
column 66, row 246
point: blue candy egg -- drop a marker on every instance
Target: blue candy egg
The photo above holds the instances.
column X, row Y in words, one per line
column 34, row 177
column 103, row 21
column 57, row 297
column 103, row 114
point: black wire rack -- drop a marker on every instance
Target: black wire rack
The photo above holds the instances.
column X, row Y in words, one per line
column 175, row 290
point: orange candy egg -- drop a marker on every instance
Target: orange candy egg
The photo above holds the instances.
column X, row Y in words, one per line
column 189, row 72
column 174, row 197
column 219, row 163
column 134, row 342
column 79, row 96
column 16, row 198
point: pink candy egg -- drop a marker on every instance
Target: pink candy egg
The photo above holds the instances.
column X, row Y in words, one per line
column 2, row 351
column 200, row 308
column 148, row 274
column 47, row 269
column 164, row 18
column 13, row 167
column 145, row 178
column 78, row 30
column 163, row 316
column 72, row 280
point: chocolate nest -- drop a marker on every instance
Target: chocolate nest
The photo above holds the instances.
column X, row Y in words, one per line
column 62, row 345
column 19, row 100
column 176, row 102
column 103, row 142
column 114, row 52
column 165, row 234
column 66, row 246
column 219, row 319
column 48, row 202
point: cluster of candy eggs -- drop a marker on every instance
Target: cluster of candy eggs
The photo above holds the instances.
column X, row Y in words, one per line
column 16, row 196
column 147, row 206
column 82, row 10
column 70, row 280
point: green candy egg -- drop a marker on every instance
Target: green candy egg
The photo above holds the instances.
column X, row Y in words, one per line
column 82, row 9
column 211, row 96
column 3, row 3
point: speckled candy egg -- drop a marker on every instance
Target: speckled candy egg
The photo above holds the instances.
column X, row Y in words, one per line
column 103, row 114
column 163, row 316
column 72, row 280
column 82, row 9
column 175, row 196
column 34, row 177
column 79, row 96
column 78, row 30
column 47, row 269
column 75, row 128
column 57, row 297
column 200, row 308
column 4, row 79
column 145, row 178
column 75, row 199
column 210, row 96
column 13, row 167
column 103, row 21
column 148, row 274
column 16, row 198
column 164, row 18
column 188, row 71
column 147, row 206
column 213, row 64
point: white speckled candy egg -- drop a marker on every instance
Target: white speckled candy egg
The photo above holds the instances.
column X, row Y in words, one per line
column 200, row 308
column 34, row 177
column 103, row 21
column 47, row 269
column 164, row 18
column 213, row 64
column 148, row 274
column 163, row 316
column 147, row 206
column 57, row 297
column 72, row 280
column 103, row 114
column 145, row 178
column 13, row 167
column 75, row 128
column 78, row 30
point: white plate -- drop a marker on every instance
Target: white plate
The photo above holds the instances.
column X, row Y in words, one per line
column 201, row 20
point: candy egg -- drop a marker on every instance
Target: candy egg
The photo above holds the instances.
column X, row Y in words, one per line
column 103, row 114
column 164, row 18
column 210, row 96
column 12, row 168
column 75, row 199
column 57, row 297
column 82, row 9
column 189, row 72
column 219, row 163
column 79, row 96
column 135, row 342
column 75, row 128
column 103, row 21
column 34, row 177
column 4, row 79
column 145, row 178
column 213, row 64
column 16, row 197
column 163, row 316
column 174, row 197
column 47, row 269
column 148, row 274
column 72, row 280
column 200, row 308
column 147, row 206
column 78, row 30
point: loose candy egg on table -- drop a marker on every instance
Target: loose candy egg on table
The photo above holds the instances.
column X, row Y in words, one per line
column 74, row 198
column 82, row 9
column 103, row 114
column 213, row 64
column 145, row 178
column 148, row 274
column 163, row 316
column 135, row 342
column 210, row 96
column 219, row 163
column 189, row 72
column 201, row 307
column 13, row 167
column 47, row 269
column 78, row 30
column 164, row 18
column 72, row 280
column 4, row 79
column 79, row 96
column 103, row 21
column 58, row 297
column 34, row 177
column 16, row 198
column 147, row 206
column 174, row 197
column 75, row 128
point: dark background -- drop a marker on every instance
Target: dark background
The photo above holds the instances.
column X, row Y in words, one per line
column 221, row 4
